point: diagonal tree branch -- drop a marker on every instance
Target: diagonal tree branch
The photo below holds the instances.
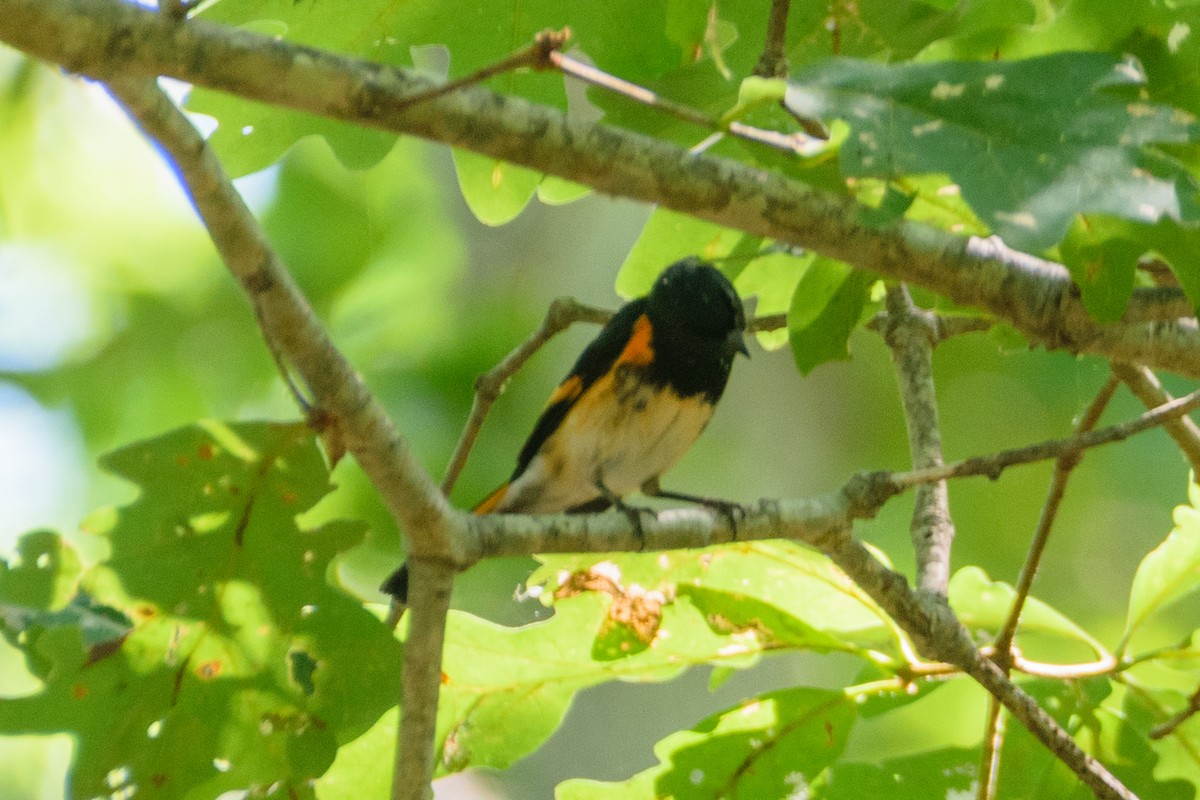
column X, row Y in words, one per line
column 1002, row 648
column 292, row 329
column 1143, row 383
column 911, row 334
column 992, row 465
column 106, row 37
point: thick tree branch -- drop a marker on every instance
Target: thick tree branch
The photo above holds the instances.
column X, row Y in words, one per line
column 1143, row 383
column 911, row 333
column 293, row 331
column 289, row 322
column 429, row 603
column 107, row 37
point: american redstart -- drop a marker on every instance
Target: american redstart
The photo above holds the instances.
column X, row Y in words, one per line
column 635, row 401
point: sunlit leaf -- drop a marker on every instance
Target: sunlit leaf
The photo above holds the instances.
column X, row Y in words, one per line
column 243, row 666
column 983, row 603
column 667, row 237
column 776, row 745
column 496, row 192
column 826, row 307
column 1029, row 153
column 949, row 773
column 1170, row 571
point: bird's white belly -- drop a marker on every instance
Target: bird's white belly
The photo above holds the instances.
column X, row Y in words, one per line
column 622, row 436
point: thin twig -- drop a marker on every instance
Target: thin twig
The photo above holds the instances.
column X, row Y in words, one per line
column 1058, row 485
column 536, row 56
column 1002, row 650
column 909, row 334
column 773, row 62
column 1145, row 384
column 994, row 464
column 1189, row 711
column 790, row 143
column 563, row 313
column 429, row 603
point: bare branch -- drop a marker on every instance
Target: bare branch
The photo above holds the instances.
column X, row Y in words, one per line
column 992, row 465
column 103, row 37
column 563, row 313
column 429, row 603
column 1189, row 711
column 909, row 332
column 596, row 77
column 1143, row 383
column 1002, row 652
column 289, row 321
column 995, row 729
column 1058, row 486
column 293, row 331
column 773, row 62
column 536, row 55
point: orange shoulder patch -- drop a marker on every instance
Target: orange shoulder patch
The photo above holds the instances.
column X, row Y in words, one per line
column 640, row 348
column 489, row 503
column 567, row 390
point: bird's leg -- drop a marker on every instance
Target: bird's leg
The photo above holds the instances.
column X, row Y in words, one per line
column 731, row 511
column 633, row 513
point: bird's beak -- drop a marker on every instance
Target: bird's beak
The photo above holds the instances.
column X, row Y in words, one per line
column 736, row 343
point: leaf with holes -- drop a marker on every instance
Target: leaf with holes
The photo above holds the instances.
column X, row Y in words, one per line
column 1028, row 153
column 775, row 745
column 242, row 666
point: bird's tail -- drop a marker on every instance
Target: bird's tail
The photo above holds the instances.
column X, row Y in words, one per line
column 397, row 583
column 488, row 504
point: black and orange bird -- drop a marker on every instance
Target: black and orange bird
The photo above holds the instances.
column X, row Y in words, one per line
column 636, row 400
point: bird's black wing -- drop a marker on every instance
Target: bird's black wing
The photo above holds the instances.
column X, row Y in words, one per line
column 594, row 362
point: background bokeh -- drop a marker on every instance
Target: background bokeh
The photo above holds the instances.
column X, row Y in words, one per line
column 117, row 322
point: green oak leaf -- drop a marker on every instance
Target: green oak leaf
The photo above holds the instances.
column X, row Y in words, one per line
column 774, row 745
column 242, row 666
column 1102, row 255
column 669, row 236
column 983, row 603
column 950, row 772
column 1028, row 153
column 1170, row 571
column 780, row 592
column 826, row 307
column 495, row 191
column 772, row 279
column 505, row 690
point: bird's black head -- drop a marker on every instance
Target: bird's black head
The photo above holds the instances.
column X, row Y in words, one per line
column 692, row 298
column 698, row 325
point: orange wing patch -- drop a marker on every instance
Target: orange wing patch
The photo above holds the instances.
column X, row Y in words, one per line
column 567, row 390
column 640, row 349
column 489, row 503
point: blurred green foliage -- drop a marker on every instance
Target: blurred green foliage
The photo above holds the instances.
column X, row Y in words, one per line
column 117, row 323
